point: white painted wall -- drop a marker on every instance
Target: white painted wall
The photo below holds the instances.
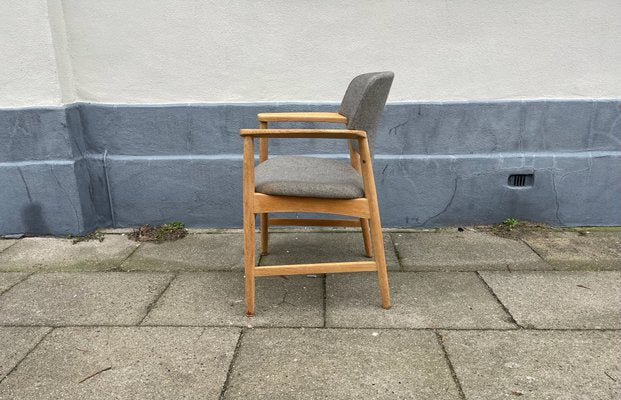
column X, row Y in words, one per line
column 166, row 51
column 28, row 71
column 61, row 50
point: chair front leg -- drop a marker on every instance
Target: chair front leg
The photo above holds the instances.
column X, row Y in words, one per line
column 249, row 217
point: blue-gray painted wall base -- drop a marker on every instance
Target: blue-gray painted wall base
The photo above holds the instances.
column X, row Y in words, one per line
column 436, row 164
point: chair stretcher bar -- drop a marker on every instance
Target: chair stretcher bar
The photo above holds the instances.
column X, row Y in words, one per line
column 320, row 268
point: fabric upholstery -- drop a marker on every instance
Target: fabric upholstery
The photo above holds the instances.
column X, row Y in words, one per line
column 364, row 102
column 308, row 177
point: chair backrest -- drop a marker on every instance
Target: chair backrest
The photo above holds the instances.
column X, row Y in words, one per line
column 364, row 102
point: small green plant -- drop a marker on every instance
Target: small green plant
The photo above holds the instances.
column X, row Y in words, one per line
column 171, row 231
column 172, row 226
column 511, row 223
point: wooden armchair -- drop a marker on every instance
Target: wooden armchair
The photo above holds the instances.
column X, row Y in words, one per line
column 318, row 185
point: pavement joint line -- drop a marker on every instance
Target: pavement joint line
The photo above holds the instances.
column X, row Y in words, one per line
column 228, row 231
column 27, row 353
column 397, row 254
column 444, row 229
column 445, row 329
column 534, row 251
column 129, row 255
column 16, row 283
column 506, row 310
column 516, row 329
column 137, row 272
column 157, row 298
column 229, row 372
column 240, row 270
column 11, row 245
column 449, row 363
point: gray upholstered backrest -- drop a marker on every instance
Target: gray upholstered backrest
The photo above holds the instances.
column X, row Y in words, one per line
column 364, row 102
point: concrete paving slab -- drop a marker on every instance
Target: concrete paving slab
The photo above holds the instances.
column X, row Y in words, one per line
column 217, row 298
column 55, row 254
column 560, row 299
column 6, row 243
column 199, row 252
column 61, row 298
column 536, row 365
column 463, row 251
column 116, row 231
column 125, row 363
column 8, row 279
column 317, row 247
column 15, row 343
column 419, row 300
column 576, row 250
column 340, row 364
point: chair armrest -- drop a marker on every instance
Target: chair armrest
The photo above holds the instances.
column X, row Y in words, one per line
column 302, row 117
column 304, row 133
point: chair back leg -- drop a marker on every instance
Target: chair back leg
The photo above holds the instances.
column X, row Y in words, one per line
column 263, row 219
column 366, row 237
column 376, row 225
column 264, row 223
column 380, row 257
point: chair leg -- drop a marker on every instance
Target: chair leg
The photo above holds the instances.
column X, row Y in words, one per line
column 380, row 257
column 249, row 261
column 264, row 233
column 376, row 224
column 366, row 237
column 249, row 217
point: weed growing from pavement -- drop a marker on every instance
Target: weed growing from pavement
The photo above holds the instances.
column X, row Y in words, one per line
column 511, row 223
column 95, row 235
column 171, row 231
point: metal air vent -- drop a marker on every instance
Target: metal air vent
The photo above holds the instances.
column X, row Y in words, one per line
column 521, row 180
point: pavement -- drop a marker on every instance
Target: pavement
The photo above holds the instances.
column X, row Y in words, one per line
column 474, row 316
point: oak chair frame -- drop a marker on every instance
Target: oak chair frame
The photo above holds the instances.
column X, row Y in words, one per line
column 364, row 209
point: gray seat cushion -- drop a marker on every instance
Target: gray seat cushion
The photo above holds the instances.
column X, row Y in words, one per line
column 308, row 177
